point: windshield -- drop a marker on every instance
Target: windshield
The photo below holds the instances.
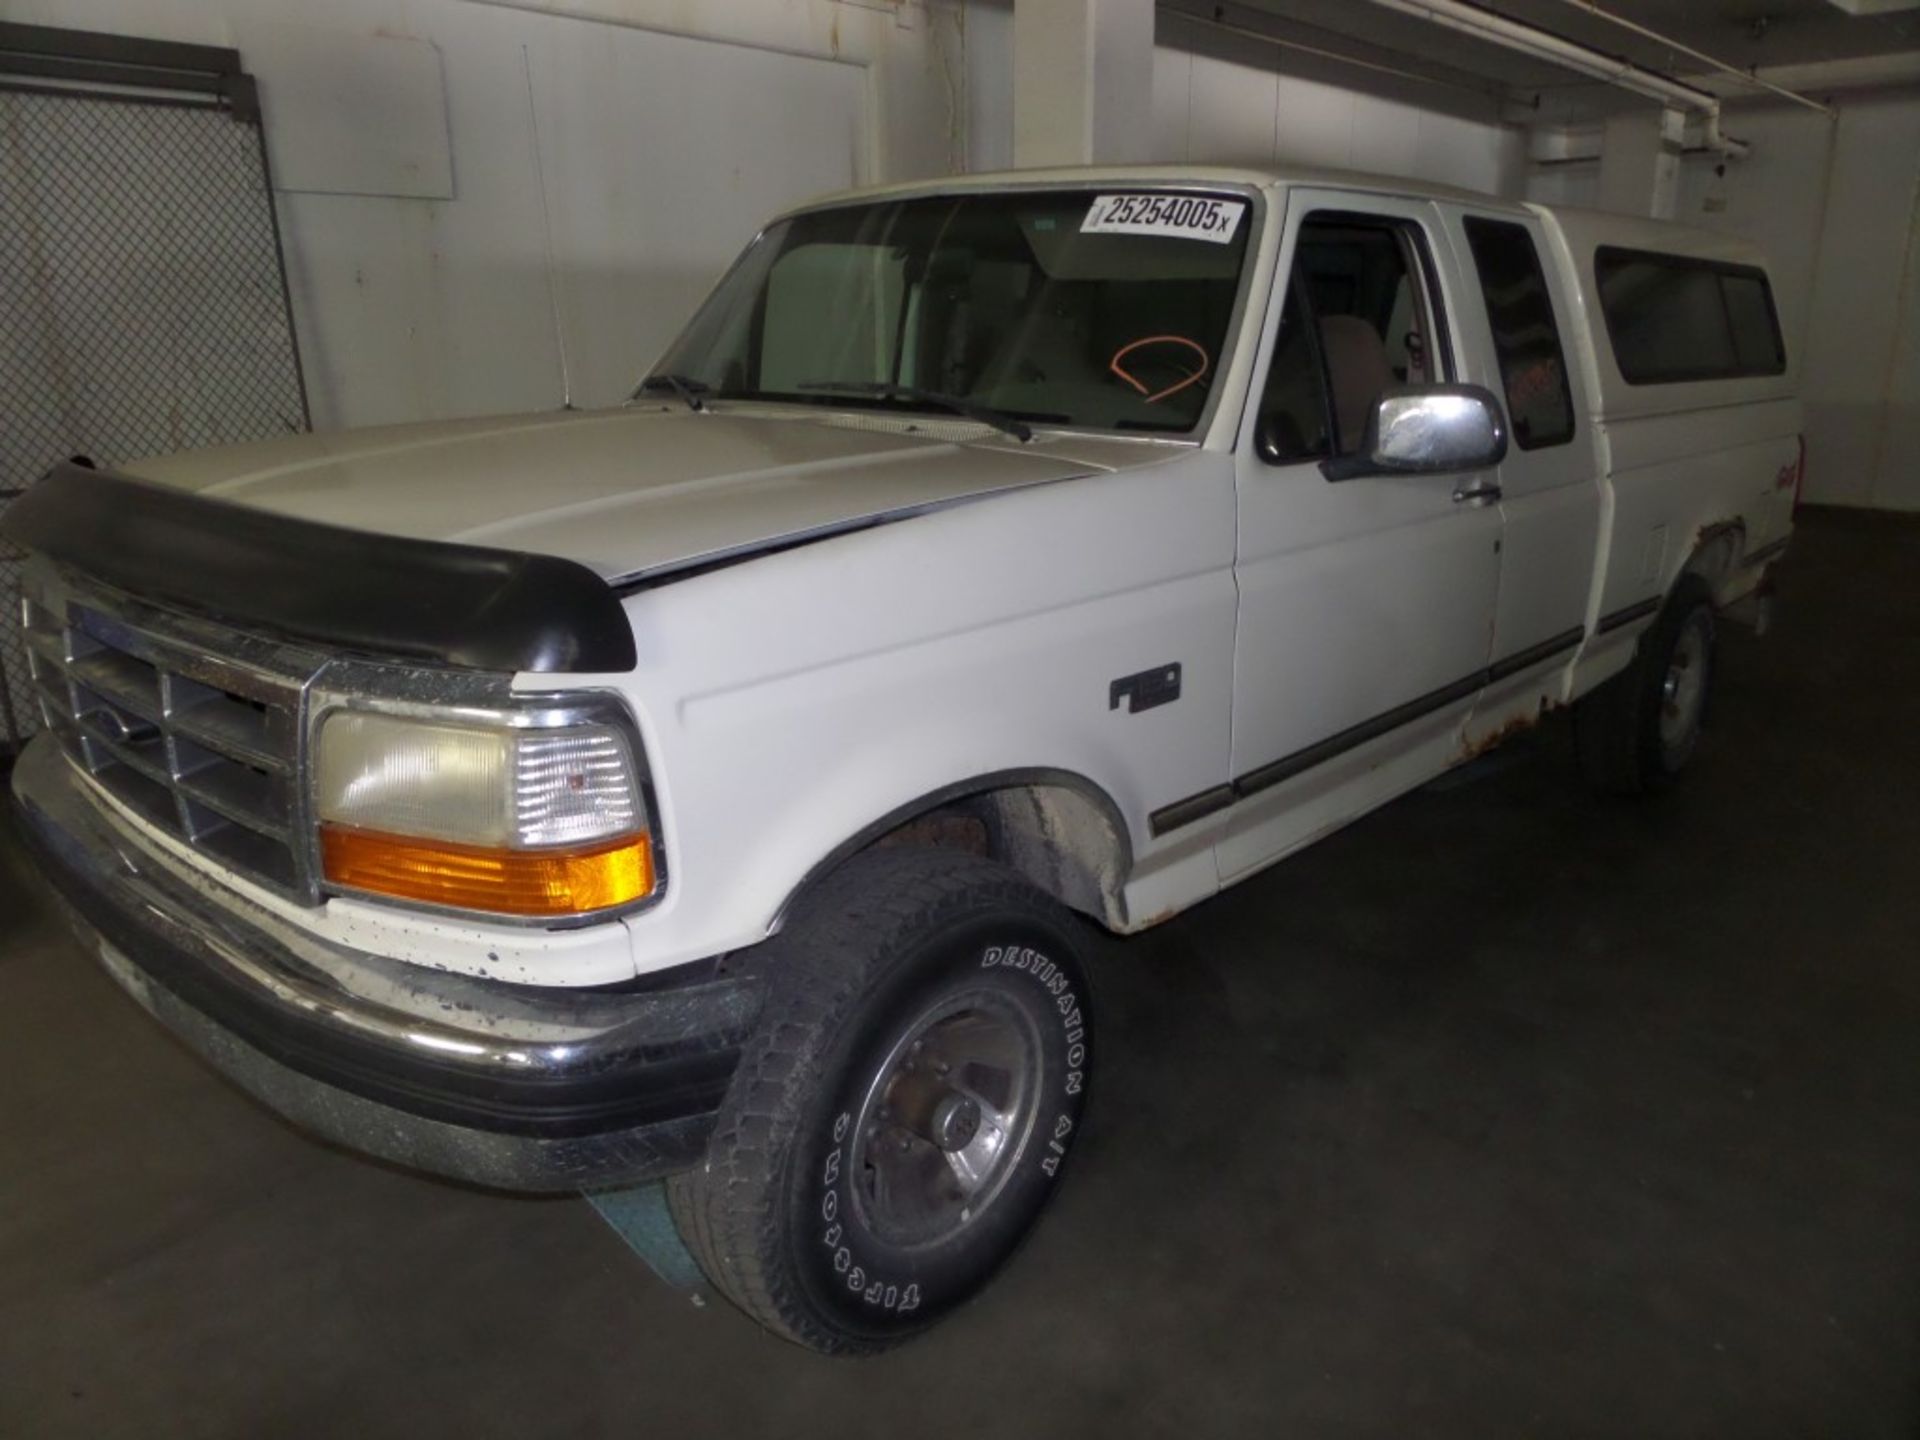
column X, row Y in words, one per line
column 1060, row 307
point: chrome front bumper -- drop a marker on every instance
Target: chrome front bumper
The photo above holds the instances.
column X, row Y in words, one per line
column 517, row 1087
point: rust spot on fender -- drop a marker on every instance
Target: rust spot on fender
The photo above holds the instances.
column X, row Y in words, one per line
column 1519, row 724
column 1159, row 918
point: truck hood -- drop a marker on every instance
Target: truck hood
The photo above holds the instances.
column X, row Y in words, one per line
column 629, row 491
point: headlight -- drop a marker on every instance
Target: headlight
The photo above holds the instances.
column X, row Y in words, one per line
column 508, row 819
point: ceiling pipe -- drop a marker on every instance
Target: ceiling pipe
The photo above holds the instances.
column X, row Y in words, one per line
column 1745, row 77
column 1215, row 21
column 1857, row 72
column 1555, row 49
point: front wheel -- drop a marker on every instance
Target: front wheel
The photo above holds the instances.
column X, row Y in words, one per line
column 1637, row 732
column 905, row 1106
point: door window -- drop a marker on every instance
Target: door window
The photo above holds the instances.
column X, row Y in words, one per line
column 1295, row 423
column 1360, row 294
column 1526, row 341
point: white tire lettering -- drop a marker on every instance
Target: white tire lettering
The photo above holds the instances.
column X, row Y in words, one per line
column 1057, row 983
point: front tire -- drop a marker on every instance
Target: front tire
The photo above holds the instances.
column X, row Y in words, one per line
column 1637, row 732
column 904, row 1108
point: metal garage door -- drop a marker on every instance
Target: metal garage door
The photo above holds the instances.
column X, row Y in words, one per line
column 143, row 302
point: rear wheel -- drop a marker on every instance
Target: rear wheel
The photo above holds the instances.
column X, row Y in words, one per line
column 1637, row 732
column 905, row 1106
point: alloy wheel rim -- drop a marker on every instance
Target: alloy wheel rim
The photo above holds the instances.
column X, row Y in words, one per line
column 1683, row 688
column 943, row 1120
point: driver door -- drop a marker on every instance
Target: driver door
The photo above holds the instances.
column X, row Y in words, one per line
column 1366, row 605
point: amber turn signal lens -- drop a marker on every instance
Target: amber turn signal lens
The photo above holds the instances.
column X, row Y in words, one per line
column 569, row 881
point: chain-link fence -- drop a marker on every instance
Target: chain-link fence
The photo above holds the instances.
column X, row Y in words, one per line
column 143, row 304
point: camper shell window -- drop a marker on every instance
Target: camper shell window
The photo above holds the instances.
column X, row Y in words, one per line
column 1674, row 318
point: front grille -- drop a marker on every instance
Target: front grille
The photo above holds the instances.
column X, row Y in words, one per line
column 196, row 729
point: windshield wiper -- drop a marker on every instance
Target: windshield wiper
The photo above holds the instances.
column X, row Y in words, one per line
column 685, row 386
column 913, row 395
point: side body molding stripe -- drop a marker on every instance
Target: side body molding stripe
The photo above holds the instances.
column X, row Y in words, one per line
column 1197, row 807
column 1534, row 654
column 1639, row 610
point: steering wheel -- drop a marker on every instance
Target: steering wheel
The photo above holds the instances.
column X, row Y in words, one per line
column 1187, row 377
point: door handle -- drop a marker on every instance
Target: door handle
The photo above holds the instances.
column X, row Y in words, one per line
column 1486, row 494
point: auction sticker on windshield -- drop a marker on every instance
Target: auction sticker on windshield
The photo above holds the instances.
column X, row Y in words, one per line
column 1187, row 217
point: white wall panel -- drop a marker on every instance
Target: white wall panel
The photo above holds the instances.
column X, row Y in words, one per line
column 676, row 150
column 354, row 114
column 658, row 158
column 1864, row 314
column 660, row 154
column 1391, row 134
column 1469, row 153
column 1172, row 94
column 1230, row 110
column 1576, row 183
column 986, row 36
column 1897, row 484
column 1210, row 109
column 1315, row 124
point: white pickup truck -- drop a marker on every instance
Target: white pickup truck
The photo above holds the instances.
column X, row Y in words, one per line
column 716, row 786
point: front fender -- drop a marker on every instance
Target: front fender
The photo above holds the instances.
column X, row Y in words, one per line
column 793, row 704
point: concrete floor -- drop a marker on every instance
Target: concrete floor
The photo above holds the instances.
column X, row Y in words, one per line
column 1507, row 1111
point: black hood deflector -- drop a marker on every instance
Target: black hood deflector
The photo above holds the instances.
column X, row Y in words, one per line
column 384, row 595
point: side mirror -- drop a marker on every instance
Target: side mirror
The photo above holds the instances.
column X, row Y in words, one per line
column 1427, row 430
